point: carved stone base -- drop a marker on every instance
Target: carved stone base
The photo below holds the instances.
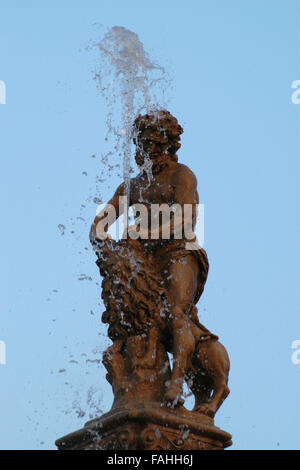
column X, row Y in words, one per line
column 147, row 426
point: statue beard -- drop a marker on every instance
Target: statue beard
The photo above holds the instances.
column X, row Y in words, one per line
column 157, row 158
column 156, row 162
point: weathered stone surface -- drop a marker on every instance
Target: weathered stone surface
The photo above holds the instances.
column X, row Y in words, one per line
column 150, row 289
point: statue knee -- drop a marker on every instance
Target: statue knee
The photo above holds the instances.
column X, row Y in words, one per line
column 178, row 315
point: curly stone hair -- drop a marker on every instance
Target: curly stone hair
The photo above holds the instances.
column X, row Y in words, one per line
column 132, row 289
column 159, row 129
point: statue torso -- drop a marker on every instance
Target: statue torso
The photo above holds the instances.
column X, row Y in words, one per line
column 159, row 189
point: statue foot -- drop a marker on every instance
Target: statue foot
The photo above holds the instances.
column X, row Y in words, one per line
column 173, row 397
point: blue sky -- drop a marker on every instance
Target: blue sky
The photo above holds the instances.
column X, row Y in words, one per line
column 232, row 65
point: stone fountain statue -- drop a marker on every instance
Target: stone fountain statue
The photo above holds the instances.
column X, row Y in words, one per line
column 153, row 278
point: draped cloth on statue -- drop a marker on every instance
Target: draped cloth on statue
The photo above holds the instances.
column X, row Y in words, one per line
column 178, row 251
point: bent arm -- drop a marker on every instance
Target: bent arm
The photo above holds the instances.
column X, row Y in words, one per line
column 178, row 221
column 114, row 202
column 186, row 193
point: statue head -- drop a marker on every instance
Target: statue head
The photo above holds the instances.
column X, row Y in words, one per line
column 156, row 136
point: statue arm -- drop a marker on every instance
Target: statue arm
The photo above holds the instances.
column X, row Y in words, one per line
column 119, row 209
column 185, row 193
column 185, row 186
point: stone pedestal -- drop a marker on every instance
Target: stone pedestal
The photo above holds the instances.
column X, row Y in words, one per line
column 147, row 426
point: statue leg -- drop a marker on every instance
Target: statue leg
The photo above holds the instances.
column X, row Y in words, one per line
column 114, row 362
column 149, row 359
column 182, row 285
column 214, row 362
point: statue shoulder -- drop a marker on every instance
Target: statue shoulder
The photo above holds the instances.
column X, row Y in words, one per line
column 185, row 174
column 136, row 181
